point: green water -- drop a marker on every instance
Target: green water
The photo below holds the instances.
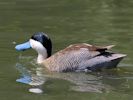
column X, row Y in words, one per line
column 99, row 22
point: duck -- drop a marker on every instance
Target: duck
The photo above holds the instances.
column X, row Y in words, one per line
column 76, row 57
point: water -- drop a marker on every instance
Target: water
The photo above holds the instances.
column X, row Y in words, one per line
column 100, row 22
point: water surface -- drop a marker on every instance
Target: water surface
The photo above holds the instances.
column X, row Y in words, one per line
column 100, row 22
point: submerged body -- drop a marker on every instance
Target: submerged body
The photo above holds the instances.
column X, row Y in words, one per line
column 76, row 57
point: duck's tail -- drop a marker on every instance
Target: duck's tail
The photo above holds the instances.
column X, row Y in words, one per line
column 104, row 48
column 109, row 47
column 106, row 60
column 114, row 60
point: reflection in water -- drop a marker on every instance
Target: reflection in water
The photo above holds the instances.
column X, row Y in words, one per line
column 28, row 77
column 82, row 81
column 36, row 76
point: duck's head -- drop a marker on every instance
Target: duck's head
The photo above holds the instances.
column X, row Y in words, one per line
column 39, row 42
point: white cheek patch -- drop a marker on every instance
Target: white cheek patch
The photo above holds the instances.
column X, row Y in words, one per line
column 36, row 45
column 41, row 50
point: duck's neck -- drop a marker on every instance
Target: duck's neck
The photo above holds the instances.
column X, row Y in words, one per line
column 44, row 51
column 40, row 59
column 42, row 55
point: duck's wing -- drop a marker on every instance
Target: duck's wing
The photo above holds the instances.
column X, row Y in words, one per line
column 82, row 51
column 88, row 46
column 98, row 48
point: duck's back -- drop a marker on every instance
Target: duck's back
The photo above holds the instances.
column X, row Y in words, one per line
column 78, row 57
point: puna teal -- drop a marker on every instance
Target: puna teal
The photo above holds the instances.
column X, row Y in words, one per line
column 76, row 57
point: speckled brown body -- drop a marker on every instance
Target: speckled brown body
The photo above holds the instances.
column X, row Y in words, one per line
column 74, row 57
